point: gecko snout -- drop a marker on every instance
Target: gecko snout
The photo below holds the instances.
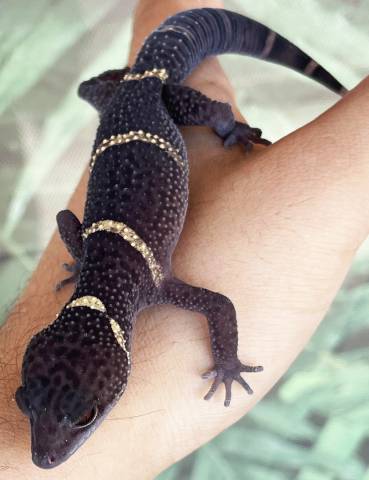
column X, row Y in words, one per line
column 47, row 460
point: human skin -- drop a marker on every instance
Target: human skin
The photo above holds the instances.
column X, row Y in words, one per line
column 275, row 231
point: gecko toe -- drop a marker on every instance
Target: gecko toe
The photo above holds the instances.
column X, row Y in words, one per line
column 218, row 380
column 248, row 368
column 228, row 389
column 74, row 269
column 227, row 373
column 66, row 281
column 244, row 384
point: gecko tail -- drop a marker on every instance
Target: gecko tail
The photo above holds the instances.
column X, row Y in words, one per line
column 182, row 41
column 279, row 50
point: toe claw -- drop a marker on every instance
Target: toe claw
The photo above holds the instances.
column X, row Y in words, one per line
column 209, row 374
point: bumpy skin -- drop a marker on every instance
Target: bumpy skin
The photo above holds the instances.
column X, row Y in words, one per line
column 74, row 371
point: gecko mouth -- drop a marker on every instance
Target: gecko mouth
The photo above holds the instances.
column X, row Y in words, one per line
column 48, row 461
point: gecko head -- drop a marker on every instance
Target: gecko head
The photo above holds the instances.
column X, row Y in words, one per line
column 73, row 373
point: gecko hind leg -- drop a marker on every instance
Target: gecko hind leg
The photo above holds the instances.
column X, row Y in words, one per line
column 70, row 230
column 221, row 317
column 190, row 107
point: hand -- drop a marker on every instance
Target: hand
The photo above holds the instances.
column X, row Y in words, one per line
column 275, row 231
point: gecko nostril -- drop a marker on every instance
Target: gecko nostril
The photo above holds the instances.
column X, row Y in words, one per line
column 51, row 458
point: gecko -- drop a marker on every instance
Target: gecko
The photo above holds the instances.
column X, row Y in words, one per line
column 76, row 369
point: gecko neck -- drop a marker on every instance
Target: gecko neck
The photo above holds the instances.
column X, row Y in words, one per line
column 114, row 279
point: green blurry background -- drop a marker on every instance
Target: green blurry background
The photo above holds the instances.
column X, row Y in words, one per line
column 315, row 423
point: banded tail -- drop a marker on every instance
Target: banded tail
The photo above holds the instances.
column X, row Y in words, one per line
column 185, row 39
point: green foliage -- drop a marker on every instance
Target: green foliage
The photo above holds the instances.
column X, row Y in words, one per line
column 31, row 51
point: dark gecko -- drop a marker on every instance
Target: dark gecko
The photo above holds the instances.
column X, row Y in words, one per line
column 75, row 370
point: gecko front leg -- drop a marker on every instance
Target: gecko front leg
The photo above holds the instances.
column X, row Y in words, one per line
column 221, row 317
column 70, row 231
column 190, row 107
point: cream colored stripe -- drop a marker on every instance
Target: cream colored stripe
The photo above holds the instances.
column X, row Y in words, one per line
column 88, row 301
column 119, row 336
column 95, row 303
column 137, row 136
column 133, row 239
column 159, row 73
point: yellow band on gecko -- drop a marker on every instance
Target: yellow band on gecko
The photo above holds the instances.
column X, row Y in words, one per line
column 159, row 73
column 137, row 136
column 133, row 239
column 95, row 303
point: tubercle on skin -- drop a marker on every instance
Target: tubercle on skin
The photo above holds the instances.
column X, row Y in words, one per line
column 138, row 136
column 133, row 239
column 95, row 303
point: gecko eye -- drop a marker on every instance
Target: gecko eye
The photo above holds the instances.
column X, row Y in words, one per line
column 87, row 418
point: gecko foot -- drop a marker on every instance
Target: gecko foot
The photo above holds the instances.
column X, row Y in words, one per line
column 245, row 135
column 74, row 269
column 226, row 374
